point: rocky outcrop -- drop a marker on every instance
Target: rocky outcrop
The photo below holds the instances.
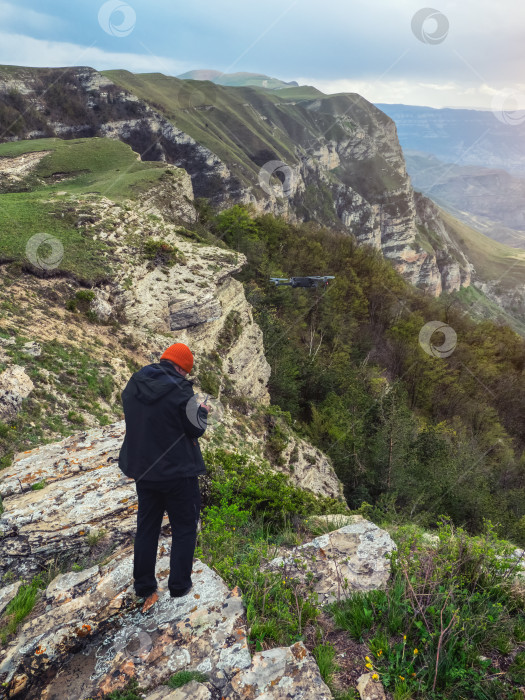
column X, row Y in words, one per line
column 352, row 558
column 89, row 625
column 15, row 386
column 454, row 267
column 281, row 673
column 203, row 631
column 98, row 637
column 86, row 494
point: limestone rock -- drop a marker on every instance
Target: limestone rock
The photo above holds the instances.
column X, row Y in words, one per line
column 7, row 593
column 100, row 306
column 66, row 586
column 32, row 348
column 334, row 520
column 369, row 689
column 100, row 638
column 190, row 691
column 310, row 468
column 186, row 313
column 352, row 558
column 85, row 493
column 285, row 672
column 15, row 386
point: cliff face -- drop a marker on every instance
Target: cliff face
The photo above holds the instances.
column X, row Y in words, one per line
column 344, row 164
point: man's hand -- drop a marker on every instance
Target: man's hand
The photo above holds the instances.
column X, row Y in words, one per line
column 203, row 405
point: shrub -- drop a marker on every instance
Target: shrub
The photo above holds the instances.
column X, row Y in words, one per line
column 21, row 606
column 248, row 509
column 230, row 332
column 161, row 253
column 39, row 485
column 183, row 677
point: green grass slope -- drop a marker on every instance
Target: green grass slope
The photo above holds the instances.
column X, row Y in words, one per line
column 38, row 203
column 248, row 126
column 492, row 260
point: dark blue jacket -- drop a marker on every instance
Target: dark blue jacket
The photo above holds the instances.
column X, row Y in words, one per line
column 163, row 422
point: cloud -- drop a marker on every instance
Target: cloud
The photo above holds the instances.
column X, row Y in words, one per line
column 21, row 50
column 15, row 18
column 449, row 94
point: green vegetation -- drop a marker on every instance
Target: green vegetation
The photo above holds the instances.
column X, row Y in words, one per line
column 448, row 614
column 94, row 537
column 230, row 332
column 183, row 677
column 76, row 376
column 20, row 607
column 209, row 372
column 39, row 485
column 132, row 691
column 449, row 625
column 161, row 253
column 90, row 168
column 248, row 513
column 406, row 430
column 491, row 259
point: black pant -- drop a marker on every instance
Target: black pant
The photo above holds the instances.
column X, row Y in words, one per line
column 181, row 498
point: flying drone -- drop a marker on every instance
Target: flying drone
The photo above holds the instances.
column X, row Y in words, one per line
column 301, row 281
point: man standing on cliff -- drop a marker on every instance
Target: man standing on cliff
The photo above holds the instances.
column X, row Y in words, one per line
column 161, row 452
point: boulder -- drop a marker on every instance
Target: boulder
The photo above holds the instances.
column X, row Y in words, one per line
column 285, row 672
column 190, row 691
column 7, row 593
column 334, row 521
column 352, row 558
column 369, row 689
column 99, row 638
column 32, row 348
column 15, row 386
column 100, row 306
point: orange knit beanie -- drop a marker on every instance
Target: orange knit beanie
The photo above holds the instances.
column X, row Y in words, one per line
column 180, row 354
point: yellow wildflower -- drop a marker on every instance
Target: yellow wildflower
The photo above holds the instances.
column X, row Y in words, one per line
column 369, row 666
column 367, row 658
column 416, row 651
column 402, row 678
column 404, row 637
column 375, row 677
column 380, row 652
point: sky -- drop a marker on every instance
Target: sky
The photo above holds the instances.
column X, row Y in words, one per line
column 456, row 54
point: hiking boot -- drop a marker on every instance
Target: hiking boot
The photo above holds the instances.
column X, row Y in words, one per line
column 150, row 602
column 180, row 593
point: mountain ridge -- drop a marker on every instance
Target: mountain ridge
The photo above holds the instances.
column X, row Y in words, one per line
column 345, row 162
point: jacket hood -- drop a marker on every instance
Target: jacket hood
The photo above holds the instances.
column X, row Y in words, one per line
column 153, row 382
